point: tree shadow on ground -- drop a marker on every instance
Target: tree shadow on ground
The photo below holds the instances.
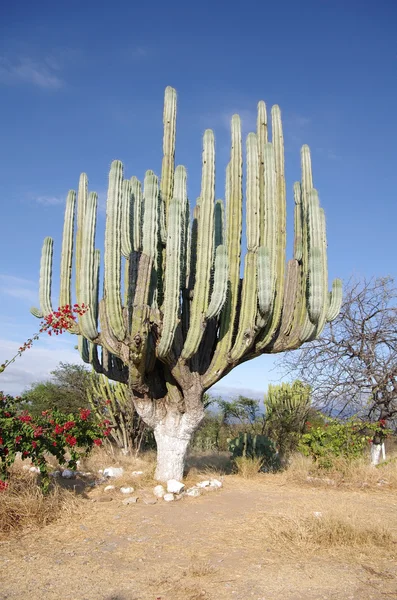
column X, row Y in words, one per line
column 220, row 462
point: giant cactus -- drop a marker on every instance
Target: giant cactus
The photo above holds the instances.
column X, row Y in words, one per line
column 175, row 316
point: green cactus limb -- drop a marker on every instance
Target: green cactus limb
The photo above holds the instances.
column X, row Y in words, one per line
column 234, row 207
column 167, row 169
column 46, row 277
column 219, row 239
column 108, row 339
column 82, row 197
column 261, row 132
column 316, row 299
column 136, row 202
column 205, row 241
column 267, row 254
column 112, row 278
column 65, row 295
column 140, row 325
column 171, row 306
column 248, row 310
column 335, row 300
column 89, row 271
column 298, row 218
column 291, row 305
column 150, row 219
column 127, row 219
column 219, row 290
column 82, row 345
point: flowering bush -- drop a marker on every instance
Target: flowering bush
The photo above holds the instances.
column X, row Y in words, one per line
column 66, row 437
column 338, row 438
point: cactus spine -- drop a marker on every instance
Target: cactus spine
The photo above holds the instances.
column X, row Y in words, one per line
column 186, row 318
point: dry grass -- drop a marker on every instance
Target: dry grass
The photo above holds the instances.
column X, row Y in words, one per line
column 248, row 468
column 357, row 473
column 24, row 506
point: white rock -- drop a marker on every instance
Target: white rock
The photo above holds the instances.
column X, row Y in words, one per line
column 113, row 472
column 194, row 492
column 204, row 484
column 34, row 469
column 168, row 497
column 55, row 474
column 159, row 491
column 68, row 474
column 174, row 486
column 130, row 500
column 136, row 473
column 109, row 488
column 216, row 483
column 126, row 490
column 100, row 471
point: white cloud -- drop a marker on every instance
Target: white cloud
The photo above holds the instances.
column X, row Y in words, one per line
column 26, row 70
column 49, row 200
column 17, row 287
column 36, row 363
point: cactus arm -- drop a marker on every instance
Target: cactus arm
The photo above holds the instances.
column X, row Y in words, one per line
column 150, row 223
column 136, row 203
column 335, row 300
column 234, row 199
column 140, row 319
column 65, row 296
column 219, row 291
column 298, row 241
column 316, row 298
column 82, row 345
column 205, row 241
column 171, row 305
column 248, row 311
column 291, row 306
column 89, row 271
column 82, row 196
column 127, row 219
column 267, row 254
column 112, row 279
column 167, row 169
column 219, row 238
column 46, row 276
column 261, row 132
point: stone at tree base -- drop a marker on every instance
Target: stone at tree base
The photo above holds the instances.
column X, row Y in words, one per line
column 159, row 491
column 68, row 474
column 194, row 492
column 109, row 488
column 174, row 486
column 203, row 484
column 169, row 497
column 113, row 472
column 55, row 474
column 149, row 500
column 130, row 500
column 215, row 483
column 126, row 490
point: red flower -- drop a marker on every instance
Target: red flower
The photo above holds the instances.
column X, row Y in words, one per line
column 70, row 440
column 108, row 402
column 3, row 485
column 106, row 432
column 84, row 413
column 58, row 429
column 54, row 443
column 5, row 450
column 25, row 418
column 34, row 444
column 98, row 442
column 18, row 439
column 69, row 425
column 25, row 453
column 1, row 441
column 38, row 432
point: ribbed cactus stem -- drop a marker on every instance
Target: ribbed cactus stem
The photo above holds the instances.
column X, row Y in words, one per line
column 136, row 201
column 316, row 263
column 219, row 290
column 150, row 219
column 335, row 300
column 65, row 294
column 82, row 197
column 127, row 219
column 205, row 242
column 248, row 310
column 261, row 132
column 112, row 284
column 267, row 255
column 89, row 271
column 46, row 276
column 167, row 170
column 298, row 218
column 173, row 264
column 219, row 223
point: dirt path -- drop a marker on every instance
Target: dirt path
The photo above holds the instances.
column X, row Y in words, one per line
column 214, row 547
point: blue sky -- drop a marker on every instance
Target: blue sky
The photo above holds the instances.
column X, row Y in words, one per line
column 81, row 86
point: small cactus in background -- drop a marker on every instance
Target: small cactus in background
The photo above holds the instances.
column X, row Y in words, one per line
column 175, row 316
column 287, row 407
column 250, row 446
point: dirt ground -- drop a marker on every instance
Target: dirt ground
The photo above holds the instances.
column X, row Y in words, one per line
column 221, row 545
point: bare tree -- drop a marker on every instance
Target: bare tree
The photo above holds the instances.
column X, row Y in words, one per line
column 352, row 367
